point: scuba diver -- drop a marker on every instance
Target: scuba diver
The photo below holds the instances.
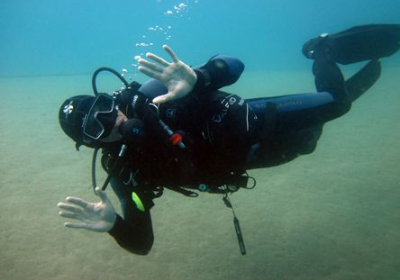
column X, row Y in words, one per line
column 179, row 131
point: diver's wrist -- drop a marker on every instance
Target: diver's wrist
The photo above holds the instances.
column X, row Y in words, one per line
column 203, row 80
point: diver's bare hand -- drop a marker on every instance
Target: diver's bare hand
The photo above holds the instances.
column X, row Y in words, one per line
column 177, row 76
column 98, row 217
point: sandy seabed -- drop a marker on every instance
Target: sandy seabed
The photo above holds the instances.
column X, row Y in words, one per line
column 334, row 214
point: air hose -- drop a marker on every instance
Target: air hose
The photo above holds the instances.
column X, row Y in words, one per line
column 108, row 69
column 123, row 148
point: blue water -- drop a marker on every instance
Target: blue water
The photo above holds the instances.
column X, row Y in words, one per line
column 50, row 37
column 331, row 215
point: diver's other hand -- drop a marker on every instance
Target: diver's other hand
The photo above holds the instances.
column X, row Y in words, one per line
column 98, row 216
column 177, row 76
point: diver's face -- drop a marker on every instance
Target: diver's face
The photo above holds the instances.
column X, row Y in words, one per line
column 115, row 135
column 121, row 118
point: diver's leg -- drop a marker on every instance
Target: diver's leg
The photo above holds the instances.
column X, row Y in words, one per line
column 329, row 78
column 304, row 114
column 301, row 111
column 366, row 42
column 297, row 119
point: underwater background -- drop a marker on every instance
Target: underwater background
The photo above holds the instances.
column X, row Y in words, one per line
column 334, row 214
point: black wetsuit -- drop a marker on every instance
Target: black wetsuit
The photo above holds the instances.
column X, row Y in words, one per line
column 230, row 138
column 224, row 134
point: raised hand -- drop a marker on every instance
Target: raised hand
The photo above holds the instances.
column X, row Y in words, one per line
column 178, row 77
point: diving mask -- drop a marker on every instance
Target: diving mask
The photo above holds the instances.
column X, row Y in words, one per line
column 100, row 119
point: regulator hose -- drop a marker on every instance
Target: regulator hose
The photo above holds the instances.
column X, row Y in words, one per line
column 108, row 69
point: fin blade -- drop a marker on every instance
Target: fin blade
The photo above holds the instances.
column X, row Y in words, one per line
column 363, row 79
column 366, row 42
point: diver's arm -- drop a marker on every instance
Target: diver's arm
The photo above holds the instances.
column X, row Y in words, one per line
column 133, row 230
column 134, row 233
column 180, row 79
column 219, row 71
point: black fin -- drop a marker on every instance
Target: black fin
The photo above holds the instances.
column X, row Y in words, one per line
column 360, row 43
column 363, row 79
column 365, row 42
